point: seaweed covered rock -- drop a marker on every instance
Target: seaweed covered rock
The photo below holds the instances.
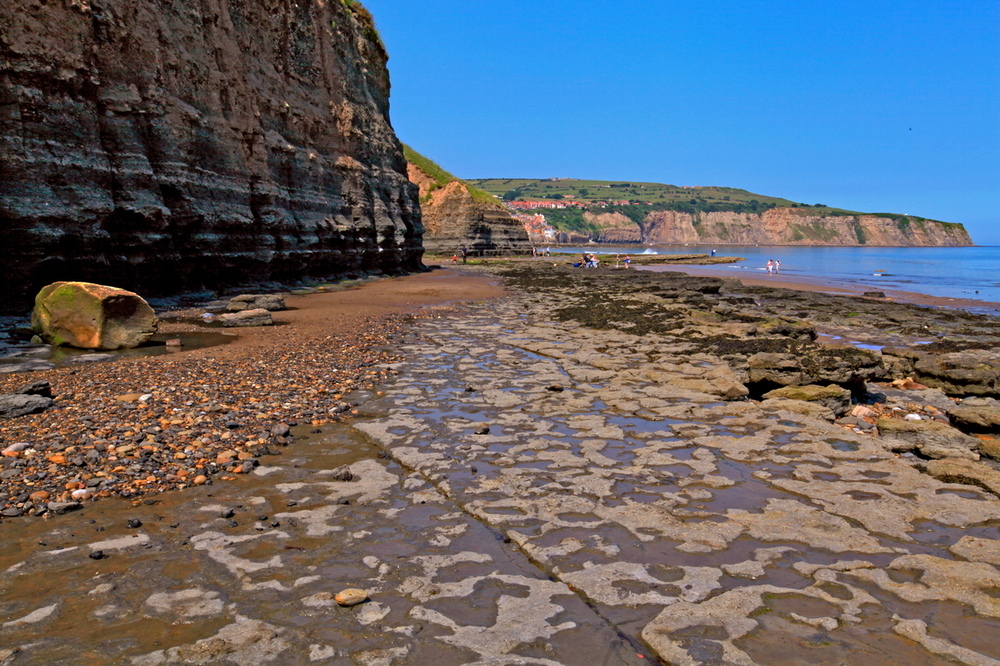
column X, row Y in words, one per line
column 92, row 316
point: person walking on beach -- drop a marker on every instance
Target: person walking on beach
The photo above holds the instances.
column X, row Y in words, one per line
column 777, row 266
column 770, row 266
column 628, row 261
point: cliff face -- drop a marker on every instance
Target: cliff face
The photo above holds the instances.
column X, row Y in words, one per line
column 780, row 226
column 615, row 227
column 168, row 146
column 453, row 218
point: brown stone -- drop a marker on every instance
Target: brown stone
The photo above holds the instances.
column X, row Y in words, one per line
column 352, row 596
column 92, row 316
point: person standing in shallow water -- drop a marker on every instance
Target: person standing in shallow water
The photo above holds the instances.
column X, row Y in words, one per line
column 770, row 266
column 777, row 266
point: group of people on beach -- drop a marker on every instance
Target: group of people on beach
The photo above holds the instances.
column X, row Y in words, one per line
column 773, row 266
column 591, row 261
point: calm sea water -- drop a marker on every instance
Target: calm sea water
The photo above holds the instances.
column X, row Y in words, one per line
column 949, row 272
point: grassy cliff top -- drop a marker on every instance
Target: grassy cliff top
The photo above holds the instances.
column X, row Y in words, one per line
column 689, row 199
column 533, row 189
column 441, row 177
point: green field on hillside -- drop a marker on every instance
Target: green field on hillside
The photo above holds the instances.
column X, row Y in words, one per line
column 687, row 199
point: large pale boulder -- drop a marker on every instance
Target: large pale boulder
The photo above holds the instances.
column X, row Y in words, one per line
column 92, row 316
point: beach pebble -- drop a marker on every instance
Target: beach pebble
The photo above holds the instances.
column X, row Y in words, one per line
column 342, row 473
column 352, row 596
column 913, row 417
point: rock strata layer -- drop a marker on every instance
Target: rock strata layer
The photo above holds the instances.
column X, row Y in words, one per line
column 778, row 226
column 169, row 147
column 453, row 218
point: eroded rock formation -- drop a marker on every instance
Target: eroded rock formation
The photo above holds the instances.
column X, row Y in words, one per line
column 173, row 146
column 778, row 226
column 453, row 217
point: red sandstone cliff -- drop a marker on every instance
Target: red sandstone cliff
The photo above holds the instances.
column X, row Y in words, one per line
column 778, row 226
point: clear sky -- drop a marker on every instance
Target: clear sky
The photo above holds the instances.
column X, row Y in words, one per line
column 878, row 106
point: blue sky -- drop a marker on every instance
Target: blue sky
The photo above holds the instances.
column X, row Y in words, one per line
column 885, row 106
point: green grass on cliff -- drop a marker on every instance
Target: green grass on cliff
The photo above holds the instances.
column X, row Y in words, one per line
column 668, row 197
column 367, row 21
column 442, row 177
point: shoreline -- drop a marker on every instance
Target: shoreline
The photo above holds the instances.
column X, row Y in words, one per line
column 603, row 447
column 136, row 426
column 822, row 285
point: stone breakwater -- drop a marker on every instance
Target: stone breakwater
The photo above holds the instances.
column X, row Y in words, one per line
column 537, row 489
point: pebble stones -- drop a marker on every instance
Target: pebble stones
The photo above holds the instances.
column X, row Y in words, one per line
column 352, row 596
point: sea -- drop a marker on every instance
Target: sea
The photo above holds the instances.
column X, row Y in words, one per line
column 971, row 273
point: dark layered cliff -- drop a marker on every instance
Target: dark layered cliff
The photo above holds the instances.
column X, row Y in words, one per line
column 456, row 215
column 164, row 146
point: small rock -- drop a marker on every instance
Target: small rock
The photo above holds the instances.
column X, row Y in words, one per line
column 174, row 342
column 257, row 317
column 96, row 555
column 913, row 417
column 134, row 523
column 199, row 480
column 352, row 596
column 63, row 507
column 342, row 473
column 485, row 430
column 21, row 404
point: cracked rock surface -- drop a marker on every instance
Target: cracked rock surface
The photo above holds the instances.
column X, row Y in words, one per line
column 531, row 491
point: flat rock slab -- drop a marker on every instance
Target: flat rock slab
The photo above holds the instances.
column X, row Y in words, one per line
column 531, row 492
column 257, row 317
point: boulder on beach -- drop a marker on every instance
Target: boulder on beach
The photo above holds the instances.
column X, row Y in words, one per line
column 270, row 302
column 92, row 316
column 976, row 415
column 257, row 317
column 835, row 398
column 931, row 438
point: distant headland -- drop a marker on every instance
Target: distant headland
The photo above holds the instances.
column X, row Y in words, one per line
column 571, row 210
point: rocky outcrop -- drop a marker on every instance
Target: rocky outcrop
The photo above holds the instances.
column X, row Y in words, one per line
column 456, row 216
column 199, row 143
column 270, row 302
column 615, row 227
column 92, row 316
column 780, row 226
